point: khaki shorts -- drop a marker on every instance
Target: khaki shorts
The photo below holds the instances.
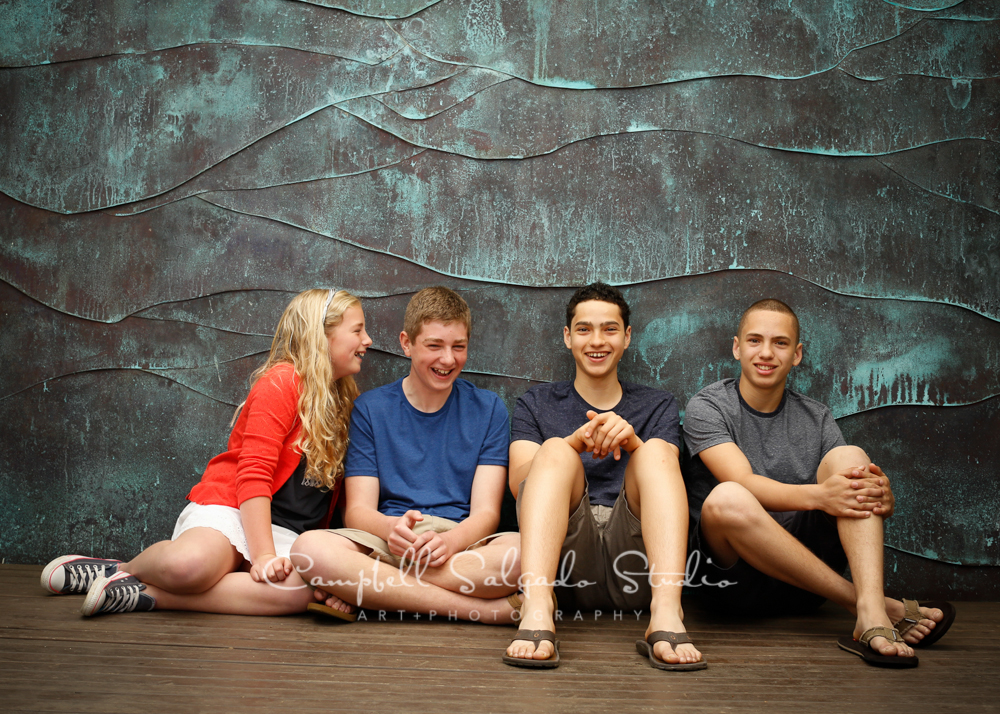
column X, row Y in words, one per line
column 380, row 549
column 602, row 564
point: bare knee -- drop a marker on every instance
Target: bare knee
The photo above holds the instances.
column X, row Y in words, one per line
column 654, row 449
column 555, row 451
column 318, row 547
column 839, row 459
column 310, row 543
column 189, row 571
column 556, row 459
column 731, row 505
column 508, row 548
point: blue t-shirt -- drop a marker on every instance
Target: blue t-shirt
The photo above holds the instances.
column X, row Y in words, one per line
column 424, row 461
column 557, row 410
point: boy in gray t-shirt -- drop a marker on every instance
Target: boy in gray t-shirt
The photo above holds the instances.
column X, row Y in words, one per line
column 779, row 503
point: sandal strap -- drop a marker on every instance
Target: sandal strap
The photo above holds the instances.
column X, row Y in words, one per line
column 910, row 618
column 536, row 636
column 674, row 638
column 888, row 633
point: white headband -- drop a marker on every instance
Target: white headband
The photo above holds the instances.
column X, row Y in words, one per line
column 322, row 317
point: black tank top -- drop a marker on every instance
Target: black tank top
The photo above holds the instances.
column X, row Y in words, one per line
column 299, row 507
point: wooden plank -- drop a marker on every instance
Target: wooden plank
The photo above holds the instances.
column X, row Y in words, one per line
column 54, row 660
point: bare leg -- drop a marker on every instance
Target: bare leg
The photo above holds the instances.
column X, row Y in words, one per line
column 238, row 594
column 862, row 539
column 735, row 526
column 554, row 487
column 196, row 572
column 193, row 563
column 490, row 571
column 654, row 489
column 337, row 565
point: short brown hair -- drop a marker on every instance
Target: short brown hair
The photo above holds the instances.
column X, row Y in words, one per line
column 438, row 304
column 769, row 305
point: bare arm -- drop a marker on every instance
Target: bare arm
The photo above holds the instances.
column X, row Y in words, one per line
column 256, row 516
column 483, row 518
column 361, row 507
column 841, row 494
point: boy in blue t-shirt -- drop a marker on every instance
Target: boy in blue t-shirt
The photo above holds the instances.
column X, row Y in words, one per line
column 601, row 505
column 423, row 483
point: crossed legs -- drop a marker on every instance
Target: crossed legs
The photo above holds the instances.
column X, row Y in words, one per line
column 472, row 585
column 201, row 571
column 655, row 493
column 735, row 526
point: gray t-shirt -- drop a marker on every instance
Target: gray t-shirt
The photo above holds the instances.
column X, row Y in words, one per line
column 786, row 445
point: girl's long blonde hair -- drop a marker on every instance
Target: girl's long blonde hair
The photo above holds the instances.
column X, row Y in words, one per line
column 325, row 404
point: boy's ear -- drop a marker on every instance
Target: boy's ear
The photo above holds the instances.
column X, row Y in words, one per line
column 404, row 342
column 566, row 339
column 736, row 347
column 798, row 355
column 628, row 336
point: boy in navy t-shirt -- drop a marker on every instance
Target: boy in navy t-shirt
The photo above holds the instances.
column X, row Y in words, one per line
column 424, row 480
column 601, row 505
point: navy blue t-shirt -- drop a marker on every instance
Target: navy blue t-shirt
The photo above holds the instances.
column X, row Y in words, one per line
column 557, row 410
column 425, row 461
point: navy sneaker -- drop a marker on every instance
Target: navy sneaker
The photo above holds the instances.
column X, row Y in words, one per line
column 119, row 593
column 74, row 574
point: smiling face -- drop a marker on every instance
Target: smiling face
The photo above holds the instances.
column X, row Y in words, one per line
column 767, row 350
column 598, row 338
column 437, row 355
column 348, row 343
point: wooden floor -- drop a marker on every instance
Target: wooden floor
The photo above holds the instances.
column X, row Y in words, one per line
column 54, row 660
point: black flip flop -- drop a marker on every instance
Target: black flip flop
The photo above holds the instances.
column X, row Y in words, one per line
column 645, row 648
column 536, row 636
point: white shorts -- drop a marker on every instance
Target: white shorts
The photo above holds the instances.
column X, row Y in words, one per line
column 228, row 522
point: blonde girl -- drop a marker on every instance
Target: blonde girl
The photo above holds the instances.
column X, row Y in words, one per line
column 280, row 476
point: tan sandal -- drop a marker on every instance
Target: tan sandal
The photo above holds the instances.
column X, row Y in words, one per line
column 863, row 648
column 912, row 618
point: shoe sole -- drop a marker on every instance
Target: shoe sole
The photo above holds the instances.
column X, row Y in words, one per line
column 646, row 650
column 51, row 568
column 870, row 656
column 941, row 628
column 550, row 663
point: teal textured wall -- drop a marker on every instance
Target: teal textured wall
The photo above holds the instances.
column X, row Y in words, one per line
column 172, row 172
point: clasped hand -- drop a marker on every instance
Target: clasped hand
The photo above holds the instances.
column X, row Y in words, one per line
column 607, row 433
column 858, row 492
column 270, row 568
column 429, row 548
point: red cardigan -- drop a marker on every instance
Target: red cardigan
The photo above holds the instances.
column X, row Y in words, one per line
column 261, row 453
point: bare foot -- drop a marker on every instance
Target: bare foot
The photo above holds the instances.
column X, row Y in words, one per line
column 929, row 619
column 534, row 617
column 333, row 601
column 672, row 622
column 880, row 644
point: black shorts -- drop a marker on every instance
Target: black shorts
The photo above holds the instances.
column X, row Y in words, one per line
column 742, row 590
